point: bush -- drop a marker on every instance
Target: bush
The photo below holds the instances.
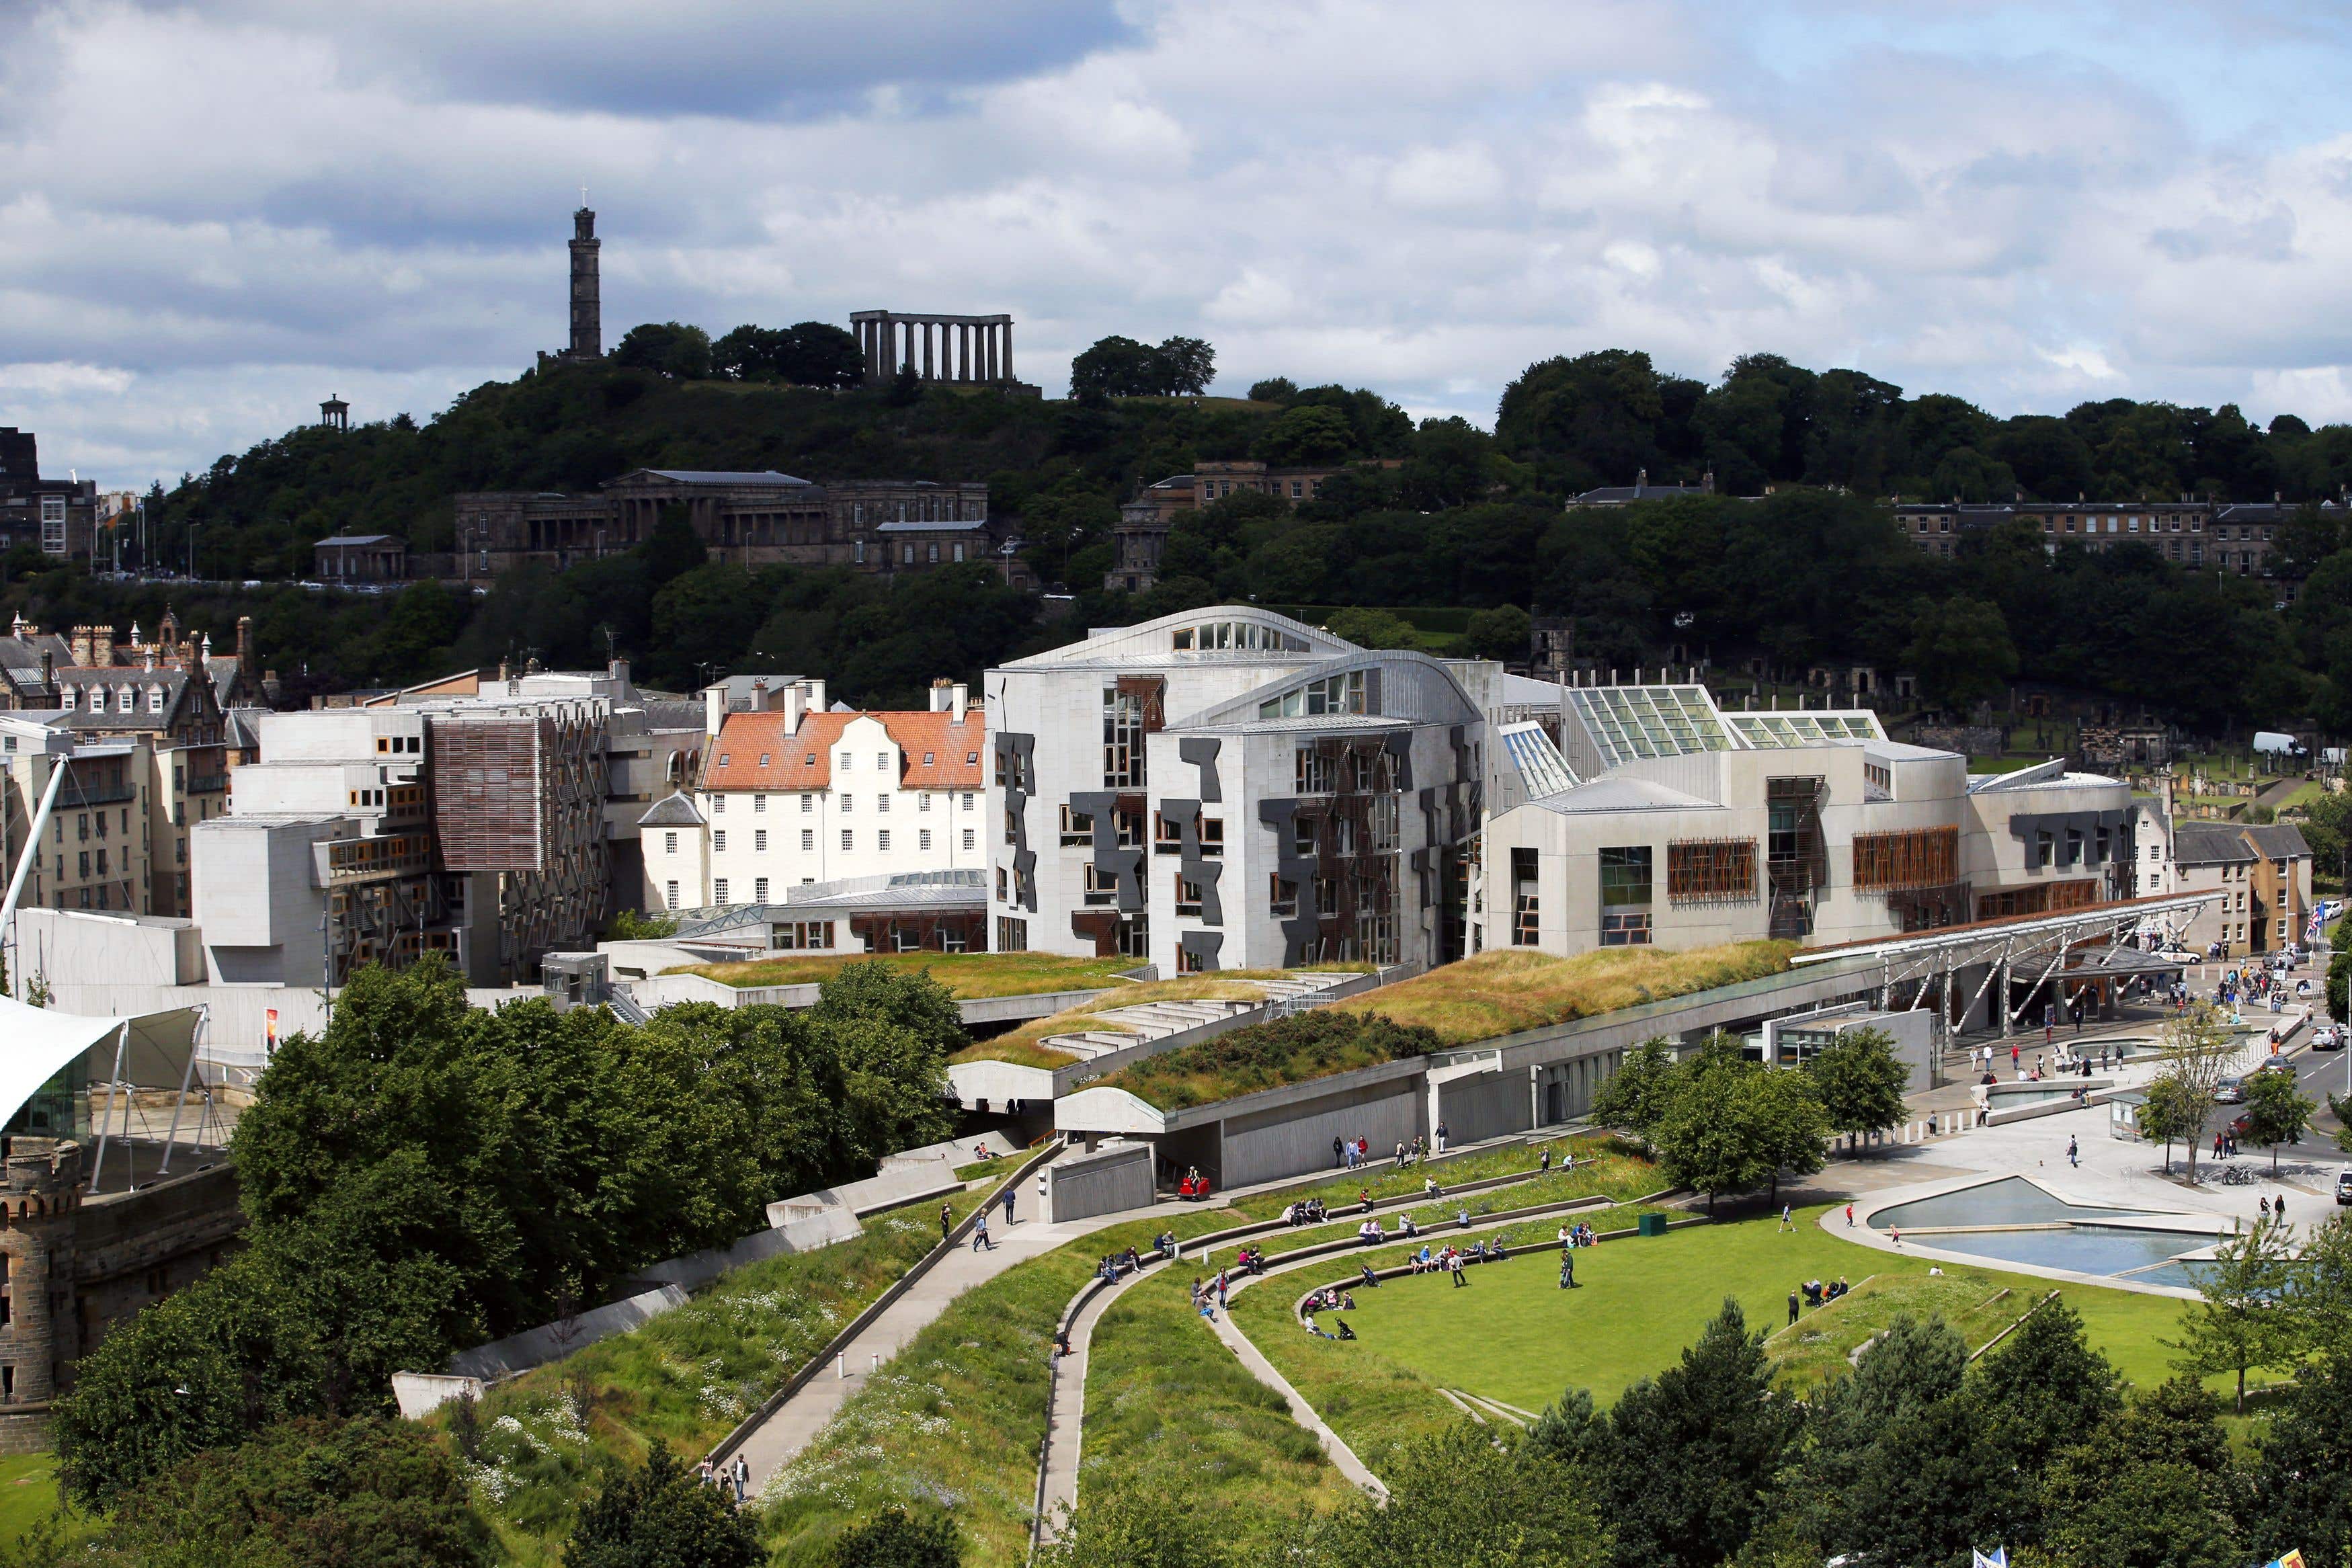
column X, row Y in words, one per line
column 307, row 1494
column 662, row 1515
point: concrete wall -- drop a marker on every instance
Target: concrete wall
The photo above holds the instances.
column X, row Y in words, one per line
column 1484, row 1105
column 142, row 950
column 1114, row 1177
column 257, row 896
column 1292, row 1140
column 536, row 1347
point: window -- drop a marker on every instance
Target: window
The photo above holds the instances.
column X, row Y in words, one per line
column 882, row 761
column 154, row 699
column 882, row 804
column 1130, row 829
column 923, row 840
column 1167, row 834
column 1338, row 694
column 1188, row 896
column 759, row 889
column 794, row 935
column 1134, row 936
column 759, row 842
column 1281, row 898
column 1922, row 857
column 1311, row 772
column 1711, row 871
column 808, row 838
column 848, row 802
column 1326, row 895
column 999, row 884
column 882, row 841
column 724, row 758
column 1302, row 835
column 719, row 841
column 1625, row 875
column 1188, row 962
column 844, row 762
column 848, row 840
column 1012, row 935
column 923, row 800
column 669, row 843
column 97, row 699
column 1625, row 928
column 1122, row 731
column 1212, row 836
column 760, row 802
column 719, row 893
column 968, row 838
column 1097, row 885
column 808, row 803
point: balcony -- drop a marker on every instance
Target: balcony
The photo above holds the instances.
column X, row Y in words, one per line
column 74, row 796
column 206, row 783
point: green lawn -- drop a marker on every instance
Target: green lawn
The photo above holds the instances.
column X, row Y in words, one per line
column 1515, row 1336
column 28, row 1494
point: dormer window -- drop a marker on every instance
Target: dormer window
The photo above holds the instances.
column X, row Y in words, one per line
column 97, row 699
column 154, row 699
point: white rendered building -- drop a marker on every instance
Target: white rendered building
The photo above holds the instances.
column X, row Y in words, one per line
column 1229, row 788
column 792, row 795
column 1663, row 819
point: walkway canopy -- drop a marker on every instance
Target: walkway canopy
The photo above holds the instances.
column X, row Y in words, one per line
column 153, row 1051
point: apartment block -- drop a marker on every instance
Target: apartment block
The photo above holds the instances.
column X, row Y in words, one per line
column 1229, row 788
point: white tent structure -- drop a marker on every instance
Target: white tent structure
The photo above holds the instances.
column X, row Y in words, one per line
column 156, row 1051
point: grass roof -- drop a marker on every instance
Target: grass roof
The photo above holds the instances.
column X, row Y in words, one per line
column 1024, row 1046
column 1511, row 989
column 965, row 975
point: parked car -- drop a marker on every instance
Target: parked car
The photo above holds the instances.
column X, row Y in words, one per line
column 2230, row 1092
column 2343, row 1188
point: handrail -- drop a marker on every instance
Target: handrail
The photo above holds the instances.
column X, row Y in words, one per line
column 839, row 1343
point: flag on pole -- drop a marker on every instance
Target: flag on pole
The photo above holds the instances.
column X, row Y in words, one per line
column 1999, row 1558
column 2292, row 1560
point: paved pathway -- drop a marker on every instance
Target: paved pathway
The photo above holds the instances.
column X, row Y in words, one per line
column 779, row 1439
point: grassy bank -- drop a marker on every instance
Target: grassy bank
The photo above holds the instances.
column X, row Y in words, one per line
column 548, row 1438
column 965, row 975
column 1508, row 991
column 956, row 1417
column 1617, row 1174
column 1978, row 1305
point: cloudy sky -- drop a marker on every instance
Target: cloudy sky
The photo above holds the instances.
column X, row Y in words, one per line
column 214, row 214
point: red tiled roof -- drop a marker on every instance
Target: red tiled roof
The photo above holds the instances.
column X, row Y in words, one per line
column 804, row 760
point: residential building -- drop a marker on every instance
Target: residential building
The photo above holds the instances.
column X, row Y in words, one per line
column 360, row 559
column 98, row 850
column 2261, row 877
column 1641, row 489
column 749, row 518
column 1662, row 819
column 792, row 794
column 59, row 515
column 1229, row 788
column 2177, row 530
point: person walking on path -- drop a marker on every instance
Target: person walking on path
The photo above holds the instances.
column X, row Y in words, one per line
column 946, row 1223
column 1441, row 1137
column 1453, row 1266
column 1008, row 1208
column 2074, row 1153
column 1849, row 1216
column 1338, row 1151
column 980, row 1233
column 1568, row 1271
column 2014, row 1055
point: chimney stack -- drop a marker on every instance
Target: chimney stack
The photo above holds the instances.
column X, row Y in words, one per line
column 48, row 671
column 817, row 696
column 247, row 661
column 961, row 706
column 939, row 694
column 714, row 710
column 795, row 705
column 759, row 697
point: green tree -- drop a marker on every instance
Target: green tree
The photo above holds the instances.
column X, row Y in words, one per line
column 1305, row 437
column 2241, row 1323
column 666, row 348
column 1372, row 629
column 2197, row 1050
column 1186, row 366
column 1274, row 388
column 2299, row 1496
column 1963, row 655
column 1459, row 1496
column 895, row 1538
column 307, row 1494
column 1860, row 1080
column 659, row 1515
column 1140, row 1527
column 2276, row 1111
column 1729, row 1125
column 1694, row 1454
column 2043, row 1389
column 2171, row 1112
column 1636, row 1097
column 1503, row 632
column 2156, row 1488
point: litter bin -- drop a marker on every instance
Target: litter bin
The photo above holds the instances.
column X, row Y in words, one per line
column 1651, row 1225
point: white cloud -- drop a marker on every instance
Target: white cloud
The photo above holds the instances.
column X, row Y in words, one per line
column 210, row 217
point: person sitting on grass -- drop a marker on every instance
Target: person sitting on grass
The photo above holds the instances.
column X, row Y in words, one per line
column 1347, row 1300
column 1318, row 1333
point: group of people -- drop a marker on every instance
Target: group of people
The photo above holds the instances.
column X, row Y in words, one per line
column 733, row 1478
column 1116, row 1264
column 1452, row 1257
column 1816, row 1294
column 1577, row 1235
column 1306, row 1211
column 1350, row 1152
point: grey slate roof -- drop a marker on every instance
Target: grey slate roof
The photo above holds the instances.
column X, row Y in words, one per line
column 2212, row 843
column 2278, row 840
column 721, row 476
column 941, row 526
column 672, row 811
